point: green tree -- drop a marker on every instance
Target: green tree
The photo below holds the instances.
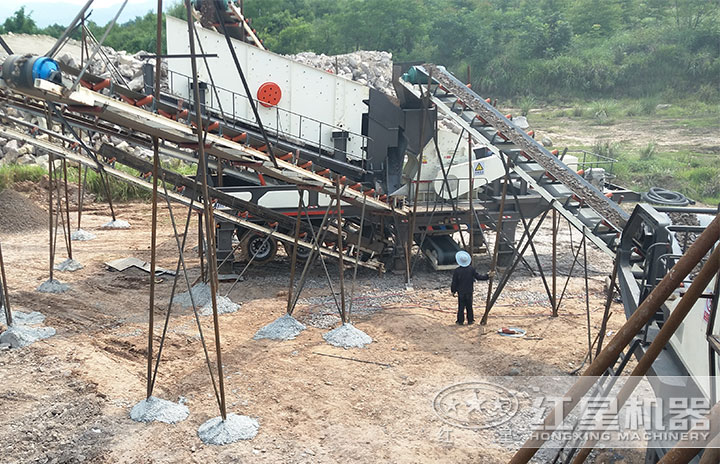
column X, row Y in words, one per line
column 20, row 23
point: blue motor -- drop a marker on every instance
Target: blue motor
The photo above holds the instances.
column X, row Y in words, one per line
column 20, row 71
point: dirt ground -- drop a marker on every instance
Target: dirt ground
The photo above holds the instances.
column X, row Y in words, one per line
column 67, row 399
column 667, row 133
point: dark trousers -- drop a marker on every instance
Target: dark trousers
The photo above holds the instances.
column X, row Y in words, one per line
column 465, row 302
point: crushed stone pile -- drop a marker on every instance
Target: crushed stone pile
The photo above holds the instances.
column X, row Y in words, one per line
column 235, row 428
column 23, row 331
column 158, row 410
column 224, row 306
column 82, row 236
column 201, row 295
column 19, row 336
column 19, row 213
column 283, row 328
column 22, row 318
column 69, row 265
column 116, row 224
column 347, row 336
column 370, row 68
column 53, row 286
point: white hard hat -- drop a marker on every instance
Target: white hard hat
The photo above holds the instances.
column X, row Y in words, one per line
column 463, row 258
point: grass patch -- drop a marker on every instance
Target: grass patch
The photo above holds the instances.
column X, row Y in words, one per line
column 11, row 173
column 526, row 104
column 119, row 190
column 693, row 174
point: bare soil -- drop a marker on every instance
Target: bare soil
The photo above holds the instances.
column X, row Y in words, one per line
column 67, row 399
column 667, row 133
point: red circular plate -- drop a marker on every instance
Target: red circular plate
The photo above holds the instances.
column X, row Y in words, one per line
column 269, row 94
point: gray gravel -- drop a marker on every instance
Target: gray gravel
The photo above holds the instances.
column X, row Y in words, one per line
column 159, row 410
column 116, row 224
column 347, row 336
column 53, row 286
column 201, row 295
column 224, row 306
column 19, row 336
column 22, row 318
column 69, row 265
column 283, row 328
column 218, row 432
column 82, row 236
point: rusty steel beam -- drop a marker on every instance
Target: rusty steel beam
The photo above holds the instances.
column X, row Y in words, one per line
column 685, row 450
column 642, row 315
column 677, row 316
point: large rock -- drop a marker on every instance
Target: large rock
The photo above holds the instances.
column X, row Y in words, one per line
column 137, row 84
column 123, row 59
column 11, row 145
column 25, row 159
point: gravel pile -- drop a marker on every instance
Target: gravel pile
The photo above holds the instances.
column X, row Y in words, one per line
column 224, row 306
column 283, row 328
column 116, row 224
column 69, row 265
column 347, row 336
column 118, row 64
column 365, row 67
column 159, row 410
column 53, row 286
column 19, row 336
column 201, row 295
column 82, row 236
column 23, row 331
column 235, row 428
column 524, row 297
column 19, row 213
column 22, row 318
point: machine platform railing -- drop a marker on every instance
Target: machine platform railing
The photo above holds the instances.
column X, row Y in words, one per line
column 298, row 127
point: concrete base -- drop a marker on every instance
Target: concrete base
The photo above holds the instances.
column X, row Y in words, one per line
column 69, row 265
column 283, row 328
column 19, row 336
column 159, row 410
column 234, row 428
column 53, row 286
column 82, row 236
column 224, row 305
column 22, row 318
column 347, row 336
column 116, row 224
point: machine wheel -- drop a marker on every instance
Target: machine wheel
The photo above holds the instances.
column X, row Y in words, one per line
column 302, row 253
column 254, row 244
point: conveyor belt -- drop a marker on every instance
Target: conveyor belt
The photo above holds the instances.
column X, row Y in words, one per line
column 125, row 177
column 583, row 205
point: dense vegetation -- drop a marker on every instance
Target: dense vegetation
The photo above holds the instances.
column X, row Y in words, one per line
column 544, row 48
column 607, row 60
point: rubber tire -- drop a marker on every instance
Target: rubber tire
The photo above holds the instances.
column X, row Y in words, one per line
column 302, row 255
column 252, row 240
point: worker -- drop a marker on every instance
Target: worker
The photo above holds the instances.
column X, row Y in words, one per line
column 464, row 278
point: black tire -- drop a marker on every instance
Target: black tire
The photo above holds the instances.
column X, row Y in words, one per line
column 254, row 244
column 302, row 253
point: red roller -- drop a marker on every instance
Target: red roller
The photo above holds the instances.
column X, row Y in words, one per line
column 269, row 94
column 144, row 101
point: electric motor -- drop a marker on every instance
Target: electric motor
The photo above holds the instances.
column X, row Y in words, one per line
column 20, row 71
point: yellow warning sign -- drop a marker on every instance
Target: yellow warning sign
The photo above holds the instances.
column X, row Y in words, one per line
column 478, row 169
